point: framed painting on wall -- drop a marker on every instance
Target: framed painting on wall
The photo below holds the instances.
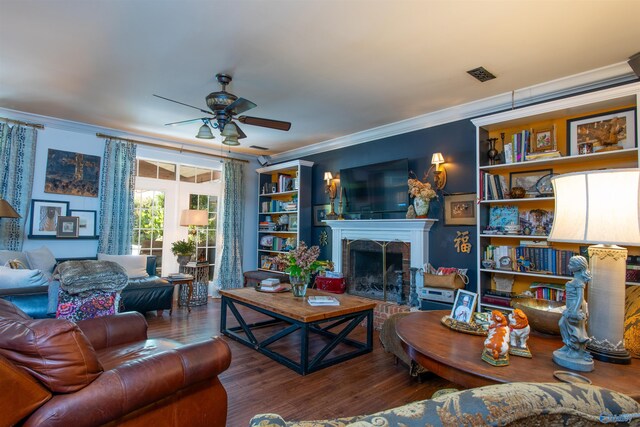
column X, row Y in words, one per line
column 71, row 173
column 614, row 130
column 44, row 217
column 67, row 227
column 460, row 209
column 86, row 222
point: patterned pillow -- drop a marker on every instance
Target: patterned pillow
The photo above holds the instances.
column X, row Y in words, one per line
column 16, row 264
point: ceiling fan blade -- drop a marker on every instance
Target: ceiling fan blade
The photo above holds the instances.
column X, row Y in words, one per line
column 265, row 123
column 182, row 103
column 185, row 121
column 240, row 105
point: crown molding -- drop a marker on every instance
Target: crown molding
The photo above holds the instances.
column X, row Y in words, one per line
column 587, row 81
column 71, row 126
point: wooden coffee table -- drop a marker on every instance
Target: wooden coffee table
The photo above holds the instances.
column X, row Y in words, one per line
column 455, row 356
column 291, row 314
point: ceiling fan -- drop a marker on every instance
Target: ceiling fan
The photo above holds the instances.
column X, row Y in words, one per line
column 224, row 108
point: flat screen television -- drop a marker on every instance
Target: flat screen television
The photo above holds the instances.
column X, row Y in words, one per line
column 375, row 189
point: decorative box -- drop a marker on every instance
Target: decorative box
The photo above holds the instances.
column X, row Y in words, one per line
column 330, row 284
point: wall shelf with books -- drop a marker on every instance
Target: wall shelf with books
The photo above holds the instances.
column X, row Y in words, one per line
column 596, row 130
column 284, row 210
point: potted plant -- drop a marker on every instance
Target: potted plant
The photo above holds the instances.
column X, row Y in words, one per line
column 183, row 249
column 301, row 263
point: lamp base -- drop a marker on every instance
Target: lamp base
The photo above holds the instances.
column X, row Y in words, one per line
column 620, row 357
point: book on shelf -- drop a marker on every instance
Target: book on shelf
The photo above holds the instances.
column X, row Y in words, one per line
column 495, row 300
column 551, row 154
column 548, row 291
column 545, row 260
column 318, row 300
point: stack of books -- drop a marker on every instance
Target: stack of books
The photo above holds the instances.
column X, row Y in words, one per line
column 271, row 285
column 322, row 300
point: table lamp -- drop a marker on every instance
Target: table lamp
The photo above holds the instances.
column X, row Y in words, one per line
column 194, row 217
column 601, row 208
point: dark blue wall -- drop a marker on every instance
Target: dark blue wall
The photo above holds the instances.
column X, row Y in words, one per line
column 456, row 141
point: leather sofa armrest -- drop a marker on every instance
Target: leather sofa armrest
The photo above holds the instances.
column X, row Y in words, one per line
column 109, row 331
column 136, row 384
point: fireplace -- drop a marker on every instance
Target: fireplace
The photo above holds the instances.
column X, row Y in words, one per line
column 371, row 268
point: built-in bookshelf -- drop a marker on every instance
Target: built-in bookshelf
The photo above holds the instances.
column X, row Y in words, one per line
column 541, row 142
column 284, row 210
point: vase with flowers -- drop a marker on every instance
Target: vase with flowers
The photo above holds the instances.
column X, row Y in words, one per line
column 422, row 193
column 301, row 263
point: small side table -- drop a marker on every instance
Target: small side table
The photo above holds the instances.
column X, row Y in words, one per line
column 200, row 273
column 185, row 279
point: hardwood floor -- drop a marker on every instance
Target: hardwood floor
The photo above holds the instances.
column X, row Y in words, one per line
column 256, row 384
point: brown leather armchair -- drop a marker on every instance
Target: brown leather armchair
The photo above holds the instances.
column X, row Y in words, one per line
column 104, row 371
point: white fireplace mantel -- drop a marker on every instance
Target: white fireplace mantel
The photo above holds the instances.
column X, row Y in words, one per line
column 413, row 231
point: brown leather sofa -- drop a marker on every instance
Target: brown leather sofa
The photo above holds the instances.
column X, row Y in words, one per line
column 104, row 371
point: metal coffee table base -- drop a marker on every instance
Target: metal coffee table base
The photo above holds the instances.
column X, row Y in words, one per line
column 306, row 364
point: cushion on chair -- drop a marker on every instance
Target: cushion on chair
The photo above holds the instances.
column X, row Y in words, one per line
column 42, row 259
column 54, row 351
column 135, row 265
column 19, row 278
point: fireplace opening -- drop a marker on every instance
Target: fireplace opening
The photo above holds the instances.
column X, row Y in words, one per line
column 371, row 268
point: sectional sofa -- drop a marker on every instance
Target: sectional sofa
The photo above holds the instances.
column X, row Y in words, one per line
column 36, row 294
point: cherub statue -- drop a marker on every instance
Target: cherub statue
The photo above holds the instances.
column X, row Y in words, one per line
column 573, row 354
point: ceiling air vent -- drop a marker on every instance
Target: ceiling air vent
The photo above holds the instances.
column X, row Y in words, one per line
column 481, row 74
column 257, row 147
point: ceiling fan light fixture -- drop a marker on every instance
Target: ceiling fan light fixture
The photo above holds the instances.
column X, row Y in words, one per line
column 231, row 141
column 230, row 130
column 205, row 132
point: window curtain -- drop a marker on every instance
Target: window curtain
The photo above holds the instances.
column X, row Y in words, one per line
column 17, row 159
column 228, row 270
column 117, row 184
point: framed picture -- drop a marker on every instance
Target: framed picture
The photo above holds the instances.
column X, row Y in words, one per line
column 460, row 209
column 86, row 222
column 72, row 173
column 44, row 217
column 527, row 180
column 320, row 213
column 463, row 306
column 543, row 140
column 293, row 222
column 67, row 226
column 614, row 130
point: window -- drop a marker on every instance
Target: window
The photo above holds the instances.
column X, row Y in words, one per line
column 157, row 170
column 198, row 175
column 148, row 228
column 206, row 235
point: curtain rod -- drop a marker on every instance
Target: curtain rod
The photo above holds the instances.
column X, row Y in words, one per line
column 19, row 122
column 182, row 150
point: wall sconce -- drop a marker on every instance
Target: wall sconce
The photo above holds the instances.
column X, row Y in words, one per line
column 331, row 190
column 193, row 217
column 440, row 173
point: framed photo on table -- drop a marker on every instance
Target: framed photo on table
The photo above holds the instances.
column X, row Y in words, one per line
column 86, row 222
column 614, row 130
column 463, row 306
column 44, row 217
column 67, row 227
column 460, row 209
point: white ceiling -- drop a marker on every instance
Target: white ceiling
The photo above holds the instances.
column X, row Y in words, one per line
column 331, row 67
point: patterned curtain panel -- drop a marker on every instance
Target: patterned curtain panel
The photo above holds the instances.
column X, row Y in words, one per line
column 17, row 159
column 117, row 183
column 230, row 227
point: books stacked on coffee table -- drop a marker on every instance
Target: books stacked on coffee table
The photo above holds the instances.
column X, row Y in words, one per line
column 271, row 285
column 320, row 300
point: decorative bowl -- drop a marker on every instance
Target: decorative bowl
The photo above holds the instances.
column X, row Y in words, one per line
column 518, row 192
column 537, row 311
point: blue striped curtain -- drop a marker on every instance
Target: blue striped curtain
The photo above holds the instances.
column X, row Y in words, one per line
column 229, row 264
column 17, row 160
column 117, row 184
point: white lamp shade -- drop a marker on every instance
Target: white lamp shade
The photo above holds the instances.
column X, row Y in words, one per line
column 204, row 132
column 230, row 130
column 194, row 217
column 437, row 158
column 328, row 177
column 597, row 207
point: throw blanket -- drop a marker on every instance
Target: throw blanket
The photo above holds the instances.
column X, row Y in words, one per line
column 82, row 276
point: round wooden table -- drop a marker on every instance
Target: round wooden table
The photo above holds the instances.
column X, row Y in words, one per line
column 456, row 357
